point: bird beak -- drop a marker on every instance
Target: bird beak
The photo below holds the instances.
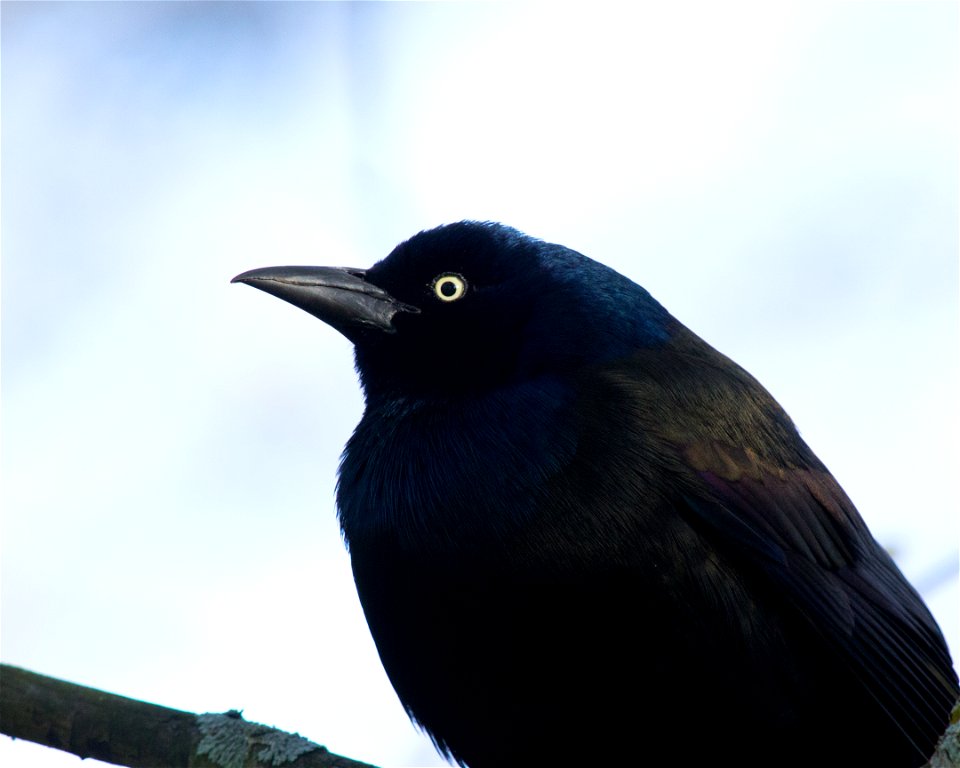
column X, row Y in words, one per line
column 339, row 296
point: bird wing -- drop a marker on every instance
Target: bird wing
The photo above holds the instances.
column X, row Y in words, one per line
column 801, row 530
column 753, row 488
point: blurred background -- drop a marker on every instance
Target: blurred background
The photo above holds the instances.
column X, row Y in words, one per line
column 782, row 176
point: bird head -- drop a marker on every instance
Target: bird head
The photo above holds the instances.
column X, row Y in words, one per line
column 470, row 306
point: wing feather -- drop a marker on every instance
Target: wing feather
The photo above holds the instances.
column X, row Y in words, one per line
column 799, row 529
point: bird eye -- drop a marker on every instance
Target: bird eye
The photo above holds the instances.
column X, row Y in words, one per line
column 449, row 287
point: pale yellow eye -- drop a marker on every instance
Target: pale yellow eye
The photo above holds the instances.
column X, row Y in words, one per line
column 449, row 287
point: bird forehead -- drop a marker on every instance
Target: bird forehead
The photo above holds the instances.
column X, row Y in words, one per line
column 483, row 254
column 425, row 264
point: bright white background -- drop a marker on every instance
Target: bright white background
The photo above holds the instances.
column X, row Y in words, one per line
column 783, row 177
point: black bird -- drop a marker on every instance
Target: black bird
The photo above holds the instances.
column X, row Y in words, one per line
column 582, row 536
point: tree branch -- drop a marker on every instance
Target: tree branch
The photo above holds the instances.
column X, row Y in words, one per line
column 92, row 723
column 947, row 754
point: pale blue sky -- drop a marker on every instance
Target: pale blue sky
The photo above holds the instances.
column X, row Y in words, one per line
column 782, row 176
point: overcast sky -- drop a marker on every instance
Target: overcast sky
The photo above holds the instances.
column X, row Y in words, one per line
column 783, row 177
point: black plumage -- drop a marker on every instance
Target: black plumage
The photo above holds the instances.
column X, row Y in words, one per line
column 579, row 533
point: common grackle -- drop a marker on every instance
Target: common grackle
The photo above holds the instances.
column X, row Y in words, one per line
column 582, row 536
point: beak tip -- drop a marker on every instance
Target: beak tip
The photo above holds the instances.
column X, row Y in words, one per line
column 243, row 277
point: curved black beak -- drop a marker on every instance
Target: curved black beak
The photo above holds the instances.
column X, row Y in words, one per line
column 339, row 296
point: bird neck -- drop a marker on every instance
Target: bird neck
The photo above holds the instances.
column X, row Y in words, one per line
column 453, row 474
